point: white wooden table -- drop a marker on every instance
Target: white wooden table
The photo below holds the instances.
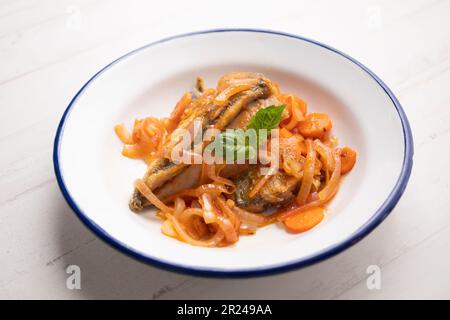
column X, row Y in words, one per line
column 49, row 48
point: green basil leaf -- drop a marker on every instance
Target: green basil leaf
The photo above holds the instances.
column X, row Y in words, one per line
column 268, row 118
column 238, row 142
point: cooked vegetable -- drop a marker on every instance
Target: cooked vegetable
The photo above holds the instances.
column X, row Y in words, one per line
column 308, row 173
column 226, row 94
column 316, row 125
column 304, row 220
column 348, row 159
column 123, row 134
column 296, row 108
column 178, row 112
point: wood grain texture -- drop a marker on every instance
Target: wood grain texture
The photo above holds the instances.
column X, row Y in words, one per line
column 48, row 49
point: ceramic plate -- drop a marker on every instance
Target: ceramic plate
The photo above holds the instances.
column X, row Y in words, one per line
column 97, row 180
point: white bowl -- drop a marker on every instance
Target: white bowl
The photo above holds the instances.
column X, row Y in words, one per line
column 97, row 180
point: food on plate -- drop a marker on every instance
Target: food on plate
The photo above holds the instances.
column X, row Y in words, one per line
column 234, row 158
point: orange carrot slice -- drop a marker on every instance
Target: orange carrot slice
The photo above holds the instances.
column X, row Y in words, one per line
column 285, row 133
column 304, row 220
column 123, row 134
column 348, row 159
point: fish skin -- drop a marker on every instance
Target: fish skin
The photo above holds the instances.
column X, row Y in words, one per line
column 223, row 117
column 187, row 179
column 248, row 111
column 278, row 191
column 190, row 178
column 162, row 170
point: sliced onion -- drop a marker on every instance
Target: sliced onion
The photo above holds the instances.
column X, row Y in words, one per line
column 326, row 153
column 292, row 121
column 211, row 172
column 313, row 197
column 297, row 113
column 150, row 196
column 308, row 173
column 184, row 236
column 228, row 229
column 331, row 187
column 132, row 151
column 232, row 216
column 189, row 213
column 167, row 229
column 190, row 218
column 210, row 188
column 247, row 231
column 180, row 205
column 226, row 94
column 200, row 227
column 252, row 219
column 209, row 213
column 322, row 197
column 212, row 215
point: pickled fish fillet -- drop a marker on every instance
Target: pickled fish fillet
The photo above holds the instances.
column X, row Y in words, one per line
column 190, row 177
column 161, row 170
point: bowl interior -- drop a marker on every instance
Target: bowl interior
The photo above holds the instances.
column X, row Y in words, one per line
column 150, row 81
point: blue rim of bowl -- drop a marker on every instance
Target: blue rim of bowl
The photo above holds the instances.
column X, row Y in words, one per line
column 364, row 230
